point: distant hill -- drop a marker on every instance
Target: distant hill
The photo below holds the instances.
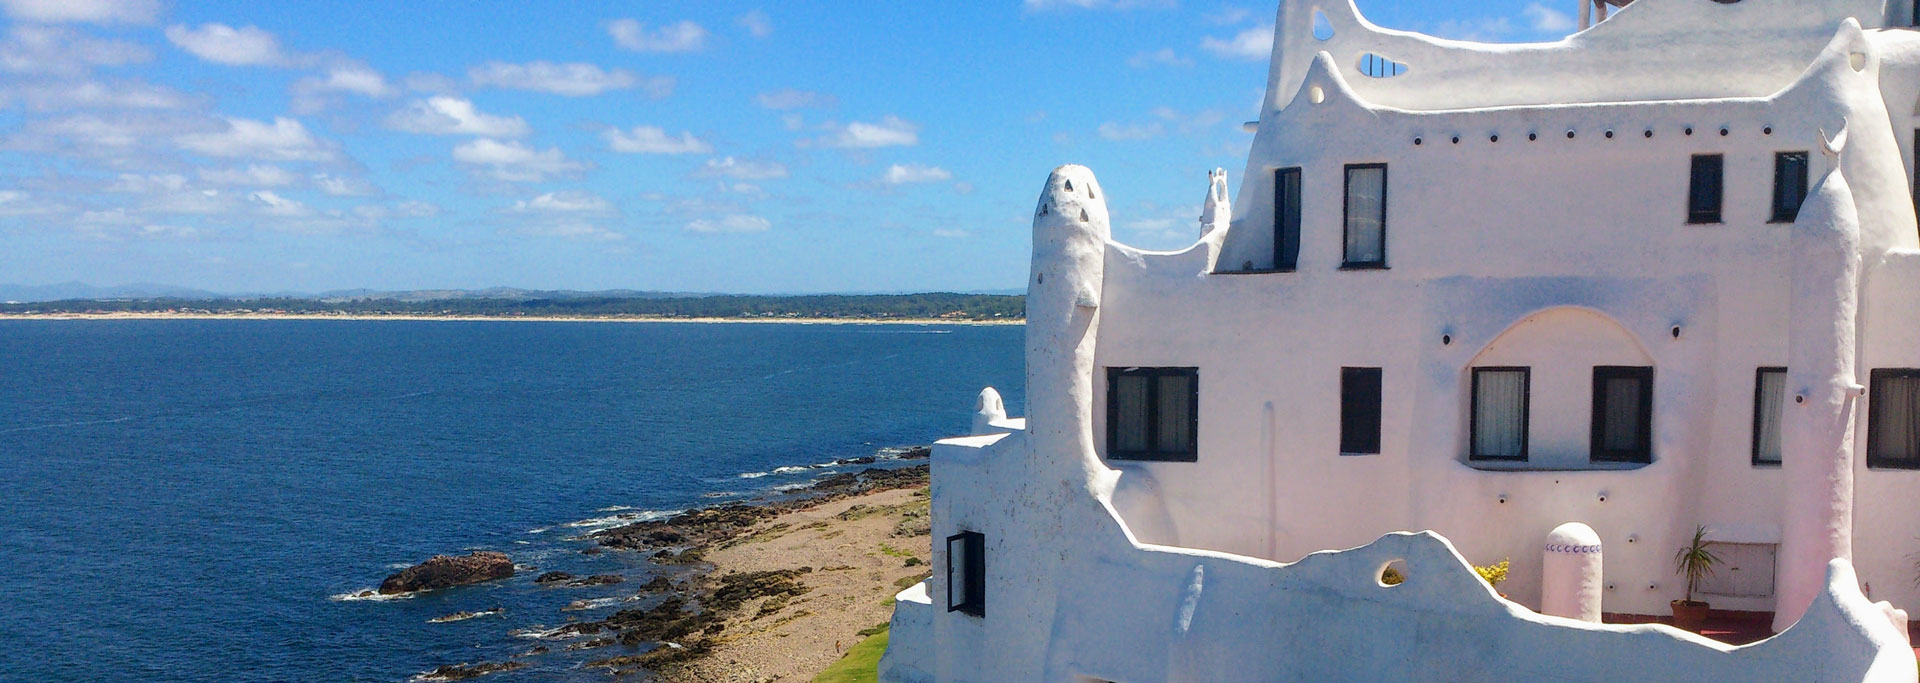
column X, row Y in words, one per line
column 81, row 290
column 926, row 306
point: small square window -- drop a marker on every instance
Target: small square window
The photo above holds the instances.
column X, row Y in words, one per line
column 1769, row 392
column 1705, row 189
column 1789, row 185
column 1893, row 418
column 1359, row 411
column 1366, row 216
column 1498, row 422
column 1622, row 414
column 1153, row 414
column 967, row 573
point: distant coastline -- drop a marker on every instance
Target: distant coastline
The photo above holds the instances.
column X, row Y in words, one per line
column 190, row 315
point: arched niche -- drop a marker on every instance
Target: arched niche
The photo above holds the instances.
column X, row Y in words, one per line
column 1559, row 350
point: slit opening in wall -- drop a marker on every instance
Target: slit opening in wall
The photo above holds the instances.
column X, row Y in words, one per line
column 1376, row 66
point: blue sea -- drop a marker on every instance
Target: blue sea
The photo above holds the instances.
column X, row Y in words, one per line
column 193, row 500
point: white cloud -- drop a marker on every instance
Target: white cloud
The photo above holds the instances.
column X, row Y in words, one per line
column 59, row 51
column 100, row 11
column 514, row 162
column 783, row 100
column 133, row 183
column 891, row 131
column 1548, row 20
column 447, row 115
column 1253, row 44
column 284, row 139
column 569, row 230
column 575, row 79
column 757, row 23
column 223, row 44
column 652, row 140
column 70, row 95
column 1162, row 57
column 1044, row 5
column 254, row 175
column 737, row 169
column 1131, row 131
column 1227, row 16
column 315, row 93
column 268, row 203
column 681, row 36
column 564, row 202
column 738, row 222
column 340, row 186
column 902, row 174
column 429, row 82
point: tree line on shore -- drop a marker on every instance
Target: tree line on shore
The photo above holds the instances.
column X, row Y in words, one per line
column 937, row 305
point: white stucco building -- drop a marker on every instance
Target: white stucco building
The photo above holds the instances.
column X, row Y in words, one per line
column 1660, row 274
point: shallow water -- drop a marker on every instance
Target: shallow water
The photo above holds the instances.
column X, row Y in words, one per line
column 187, row 500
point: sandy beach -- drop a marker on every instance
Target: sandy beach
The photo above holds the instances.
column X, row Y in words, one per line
column 862, row 549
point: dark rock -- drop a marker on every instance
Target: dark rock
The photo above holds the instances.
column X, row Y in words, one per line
column 917, row 453
column 854, row 461
column 590, row 551
column 461, row 672
column 537, row 650
column 551, row 577
column 443, row 571
column 598, row 580
column 659, row 584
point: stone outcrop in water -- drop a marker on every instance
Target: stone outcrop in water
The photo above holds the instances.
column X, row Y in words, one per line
column 443, row 571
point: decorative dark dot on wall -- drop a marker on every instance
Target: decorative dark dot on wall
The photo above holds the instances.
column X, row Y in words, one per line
column 1676, row 331
column 1446, row 339
column 1767, row 130
column 1532, row 136
column 1609, row 135
column 1417, row 141
column 1493, row 138
column 1649, row 132
column 1723, row 132
column 1569, row 134
column 1689, row 130
column 1799, row 399
column 1456, row 139
column 1041, row 278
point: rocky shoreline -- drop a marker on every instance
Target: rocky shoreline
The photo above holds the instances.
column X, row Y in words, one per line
column 705, row 606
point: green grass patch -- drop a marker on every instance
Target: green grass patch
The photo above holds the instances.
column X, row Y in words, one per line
column 861, row 664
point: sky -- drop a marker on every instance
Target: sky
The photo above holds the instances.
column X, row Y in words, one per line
column 712, row 146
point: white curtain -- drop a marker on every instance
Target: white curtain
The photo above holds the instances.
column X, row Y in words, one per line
column 1773, row 387
column 1175, row 414
column 1499, row 413
column 1896, row 436
column 1130, row 393
column 1366, row 215
column 1620, row 430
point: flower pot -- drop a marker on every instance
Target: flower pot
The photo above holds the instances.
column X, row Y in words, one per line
column 1689, row 615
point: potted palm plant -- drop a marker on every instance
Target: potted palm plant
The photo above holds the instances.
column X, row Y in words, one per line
column 1695, row 562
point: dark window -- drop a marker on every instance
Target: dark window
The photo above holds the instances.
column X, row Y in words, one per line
column 967, row 573
column 1366, row 216
column 1359, row 411
column 1704, row 189
column 1286, row 218
column 1916, row 145
column 1498, row 423
column 1769, row 390
column 1622, row 414
column 1893, row 419
column 1789, row 185
column 1153, row 413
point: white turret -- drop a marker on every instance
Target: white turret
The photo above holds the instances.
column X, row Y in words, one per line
column 1070, row 232
column 1218, row 209
column 1817, row 424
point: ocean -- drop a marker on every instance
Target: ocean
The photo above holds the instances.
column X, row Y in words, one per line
column 196, row 499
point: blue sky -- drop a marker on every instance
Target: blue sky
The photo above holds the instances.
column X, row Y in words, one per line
column 687, row 146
